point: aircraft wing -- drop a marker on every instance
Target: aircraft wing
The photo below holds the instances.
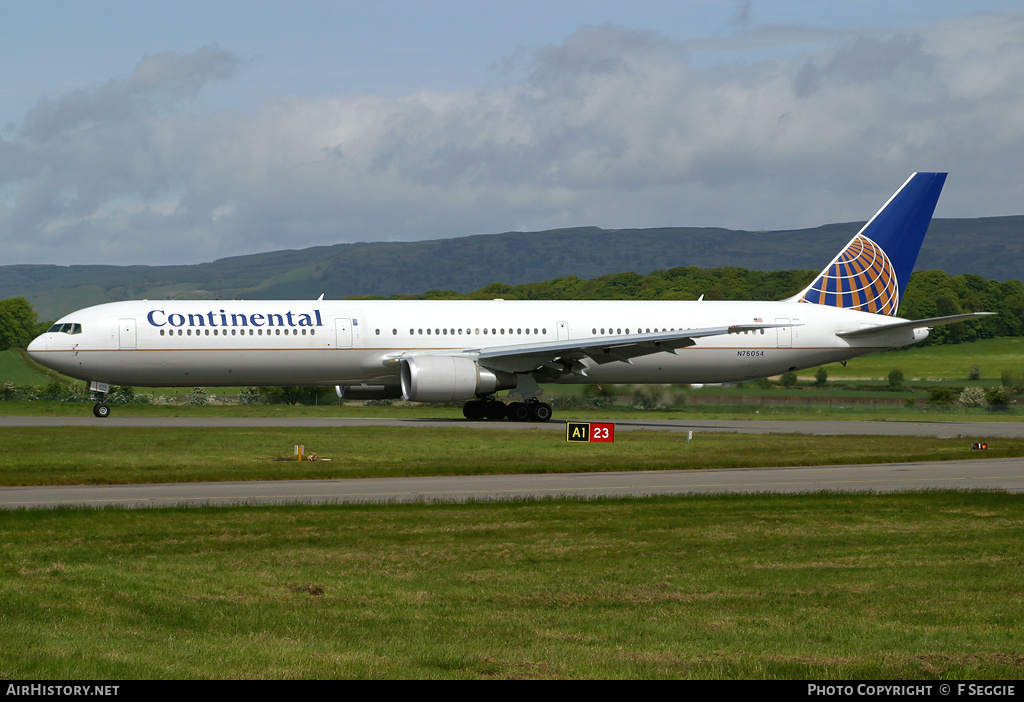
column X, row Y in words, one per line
column 913, row 324
column 564, row 356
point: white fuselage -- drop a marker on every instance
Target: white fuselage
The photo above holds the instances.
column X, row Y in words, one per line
column 298, row 342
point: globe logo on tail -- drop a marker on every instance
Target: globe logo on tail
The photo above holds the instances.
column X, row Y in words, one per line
column 860, row 278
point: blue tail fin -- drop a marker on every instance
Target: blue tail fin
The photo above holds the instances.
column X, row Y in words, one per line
column 872, row 271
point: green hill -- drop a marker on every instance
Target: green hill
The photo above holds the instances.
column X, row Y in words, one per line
column 15, row 367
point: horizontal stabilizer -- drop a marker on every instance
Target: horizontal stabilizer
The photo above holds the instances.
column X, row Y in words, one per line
column 913, row 324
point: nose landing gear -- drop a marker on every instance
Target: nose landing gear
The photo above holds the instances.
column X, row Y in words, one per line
column 99, row 393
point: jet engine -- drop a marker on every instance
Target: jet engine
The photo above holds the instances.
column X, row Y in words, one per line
column 449, row 378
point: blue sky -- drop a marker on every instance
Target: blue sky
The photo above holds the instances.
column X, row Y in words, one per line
column 178, row 132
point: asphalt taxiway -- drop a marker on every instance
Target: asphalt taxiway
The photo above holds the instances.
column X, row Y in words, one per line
column 996, row 474
column 978, row 473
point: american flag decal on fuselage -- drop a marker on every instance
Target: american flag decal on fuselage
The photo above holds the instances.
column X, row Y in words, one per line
column 861, row 278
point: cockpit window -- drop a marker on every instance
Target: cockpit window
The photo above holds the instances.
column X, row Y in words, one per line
column 66, row 328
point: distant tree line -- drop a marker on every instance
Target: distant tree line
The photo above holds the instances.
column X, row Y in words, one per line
column 937, row 294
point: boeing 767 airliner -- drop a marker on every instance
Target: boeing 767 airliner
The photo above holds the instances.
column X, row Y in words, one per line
column 445, row 351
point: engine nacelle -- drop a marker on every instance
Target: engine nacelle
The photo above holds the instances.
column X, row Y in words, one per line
column 369, row 392
column 449, row 378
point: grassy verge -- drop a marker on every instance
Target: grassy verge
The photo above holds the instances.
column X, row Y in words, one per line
column 112, row 455
column 922, row 585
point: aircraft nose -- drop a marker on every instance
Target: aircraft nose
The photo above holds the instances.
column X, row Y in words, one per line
column 36, row 345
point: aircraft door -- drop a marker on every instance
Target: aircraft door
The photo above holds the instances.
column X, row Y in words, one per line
column 563, row 331
column 127, row 334
column 785, row 333
column 343, row 333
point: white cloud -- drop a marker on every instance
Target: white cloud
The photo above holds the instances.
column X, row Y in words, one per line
column 614, row 127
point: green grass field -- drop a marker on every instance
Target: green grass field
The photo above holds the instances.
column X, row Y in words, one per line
column 950, row 362
column 15, row 368
column 836, row 587
column 859, row 586
column 116, row 455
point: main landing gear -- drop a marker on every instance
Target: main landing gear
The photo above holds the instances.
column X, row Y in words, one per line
column 490, row 408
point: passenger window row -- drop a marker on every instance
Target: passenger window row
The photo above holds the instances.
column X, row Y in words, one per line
column 477, row 331
column 620, row 330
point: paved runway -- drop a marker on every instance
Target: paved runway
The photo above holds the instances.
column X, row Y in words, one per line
column 936, row 428
column 1000, row 474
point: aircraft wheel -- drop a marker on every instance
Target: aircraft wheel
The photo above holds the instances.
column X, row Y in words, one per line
column 540, row 411
column 494, row 409
column 474, row 409
column 517, row 412
column 101, row 410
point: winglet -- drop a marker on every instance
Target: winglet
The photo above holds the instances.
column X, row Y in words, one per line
column 872, row 271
